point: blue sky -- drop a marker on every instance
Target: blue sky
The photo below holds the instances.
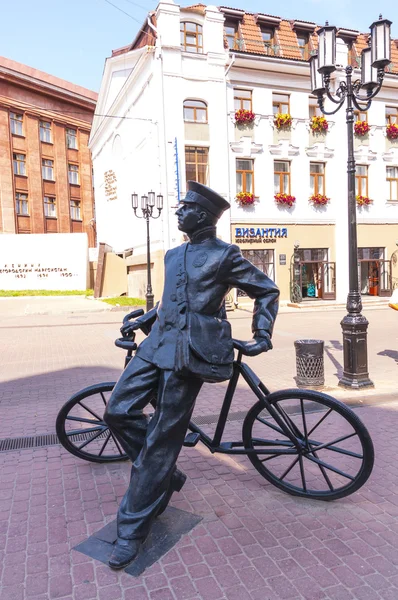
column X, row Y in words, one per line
column 72, row 38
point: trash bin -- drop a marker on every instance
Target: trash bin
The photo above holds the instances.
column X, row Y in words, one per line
column 309, row 362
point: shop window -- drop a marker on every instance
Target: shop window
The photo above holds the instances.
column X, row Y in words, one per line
column 245, row 176
column 280, row 103
column 16, row 123
column 263, row 260
column 268, row 36
column 242, row 99
column 281, row 177
column 313, row 254
column 231, row 31
column 75, row 210
column 191, row 37
column 50, row 207
column 371, row 253
column 361, row 180
column 197, row 164
column 47, row 169
column 19, row 164
column 303, row 43
column 317, row 178
column 71, row 138
column 392, row 181
column 45, row 131
column 22, row 206
column 391, row 115
column 360, row 115
column 314, row 109
column 73, row 174
column 195, row 111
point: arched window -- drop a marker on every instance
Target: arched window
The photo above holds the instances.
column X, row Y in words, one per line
column 191, row 37
column 195, row 111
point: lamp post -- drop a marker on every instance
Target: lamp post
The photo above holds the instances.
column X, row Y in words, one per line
column 147, row 206
column 373, row 62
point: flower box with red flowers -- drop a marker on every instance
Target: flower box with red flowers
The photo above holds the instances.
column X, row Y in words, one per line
column 282, row 121
column 361, row 128
column 319, row 125
column 392, row 131
column 285, row 199
column 319, row 199
column 363, row 200
column 244, row 117
column 245, row 198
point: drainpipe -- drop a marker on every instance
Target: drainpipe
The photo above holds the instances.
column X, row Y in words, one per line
column 228, row 148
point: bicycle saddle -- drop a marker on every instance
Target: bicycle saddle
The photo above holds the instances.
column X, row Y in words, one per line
column 125, row 344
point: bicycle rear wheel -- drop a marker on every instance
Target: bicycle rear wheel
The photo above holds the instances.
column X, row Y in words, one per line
column 328, row 455
column 81, row 428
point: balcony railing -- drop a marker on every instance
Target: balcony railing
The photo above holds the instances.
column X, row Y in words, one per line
column 271, row 49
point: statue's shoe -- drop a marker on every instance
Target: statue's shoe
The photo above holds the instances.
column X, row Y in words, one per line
column 124, row 552
column 177, row 481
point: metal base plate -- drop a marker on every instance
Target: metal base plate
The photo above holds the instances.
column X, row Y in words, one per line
column 166, row 532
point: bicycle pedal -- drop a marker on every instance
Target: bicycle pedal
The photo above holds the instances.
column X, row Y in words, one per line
column 191, row 439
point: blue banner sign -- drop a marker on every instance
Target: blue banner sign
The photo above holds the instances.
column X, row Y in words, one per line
column 250, row 235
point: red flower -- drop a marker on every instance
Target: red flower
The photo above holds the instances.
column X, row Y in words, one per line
column 319, row 199
column 282, row 121
column 363, row 200
column 392, row 131
column 319, row 124
column 285, row 199
column 243, row 116
column 245, row 198
column 361, row 128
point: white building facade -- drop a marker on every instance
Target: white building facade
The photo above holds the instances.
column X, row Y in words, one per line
column 166, row 114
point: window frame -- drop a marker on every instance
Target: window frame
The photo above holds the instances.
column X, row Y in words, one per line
column 195, row 109
column 205, row 151
column 52, row 202
column 13, row 121
column 16, row 163
column 67, row 134
column 281, row 175
column 239, row 101
column 390, row 181
column 198, row 32
column 77, row 171
column 243, row 174
column 280, row 103
column 392, row 119
column 313, row 104
column 268, row 44
column 318, row 177
column 359, row 181
column 235, row 39
column 44, row 168
column 43, row 130
column 358, row 113
column 77, row 205
column 304, row 49
column 25, row 202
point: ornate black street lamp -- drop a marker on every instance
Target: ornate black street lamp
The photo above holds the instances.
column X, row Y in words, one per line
column 373, row 62
column 147, row 206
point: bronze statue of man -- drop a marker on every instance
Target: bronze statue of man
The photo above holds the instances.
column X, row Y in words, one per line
column 198, row 277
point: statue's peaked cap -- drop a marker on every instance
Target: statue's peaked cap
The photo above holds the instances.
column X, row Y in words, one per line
column 206, row 197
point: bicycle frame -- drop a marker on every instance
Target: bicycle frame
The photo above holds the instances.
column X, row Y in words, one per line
column 260, row 390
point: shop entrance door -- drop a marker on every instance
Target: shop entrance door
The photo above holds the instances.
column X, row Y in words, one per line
column 374, row 272
column 317, row 274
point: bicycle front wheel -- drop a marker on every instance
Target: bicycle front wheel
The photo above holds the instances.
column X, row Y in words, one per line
column 81, row 428
column 319, row 449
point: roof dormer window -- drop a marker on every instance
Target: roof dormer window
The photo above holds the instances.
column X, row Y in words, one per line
column 191, row 37
column 231, row 29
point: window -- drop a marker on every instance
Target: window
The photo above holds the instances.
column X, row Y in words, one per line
column 75, row 211
column 232, row 35
column 22, row 204
column 352, row 58
column 315, row 111
column 303, row 42
column 280, row 104
column 45, row 131
column 392, row 180
column 361, row 180
column 281, row 177
column 268, row 38
column 360, row 115
column 391, row 115
column 317, row 178
column 245, row 176
column 71, row 138
column 16, row 124
column 47, row 169
column 191, row 37
column 242, row 99
column 73, row 174
column 196, row 164
column 50, row 207
column 19, row 164
column 313, row 254
column 195, row 111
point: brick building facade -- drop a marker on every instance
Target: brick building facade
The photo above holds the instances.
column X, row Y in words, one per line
column 45, row 164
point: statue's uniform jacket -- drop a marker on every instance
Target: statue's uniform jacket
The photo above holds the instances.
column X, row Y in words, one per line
column 213, row 268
